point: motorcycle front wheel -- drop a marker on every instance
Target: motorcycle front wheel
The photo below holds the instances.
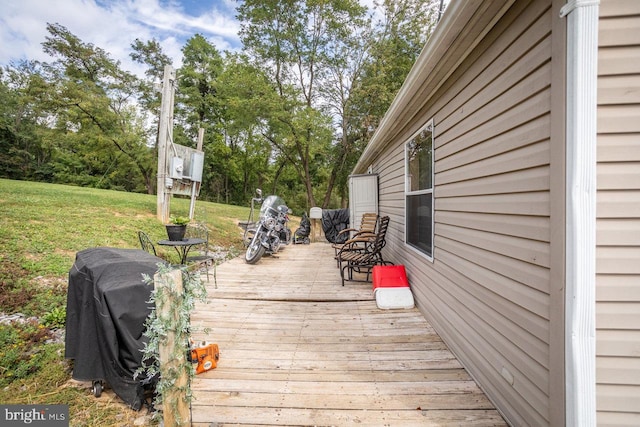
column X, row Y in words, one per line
column 254, row 252
column 288, row 236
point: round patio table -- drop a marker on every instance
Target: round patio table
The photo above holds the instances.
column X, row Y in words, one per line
column 182, row 246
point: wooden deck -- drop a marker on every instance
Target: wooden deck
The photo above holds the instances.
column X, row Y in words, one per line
column 297, row 348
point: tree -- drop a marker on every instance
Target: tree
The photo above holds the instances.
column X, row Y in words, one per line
column 93, row 102
column 198, row 106
column 202, row 64
column 22, row 152
column 389, row 50
column 399, row 37
column 149, row 98
column 336, row 72
column 295, row 40
column 247, row 100
column 151, row 55
column 291, row 113
column 343, row 76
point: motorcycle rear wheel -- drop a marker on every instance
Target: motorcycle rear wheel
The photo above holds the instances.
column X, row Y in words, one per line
column 254, row 252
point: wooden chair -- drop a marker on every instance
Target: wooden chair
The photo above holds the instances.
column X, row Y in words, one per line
column 201, row 254
column 146, row 244
column 361, row 254
column 367, row 228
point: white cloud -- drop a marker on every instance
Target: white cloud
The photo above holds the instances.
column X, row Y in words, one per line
column 113, row 26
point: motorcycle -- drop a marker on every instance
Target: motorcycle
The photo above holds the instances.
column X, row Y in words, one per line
column 271, row 231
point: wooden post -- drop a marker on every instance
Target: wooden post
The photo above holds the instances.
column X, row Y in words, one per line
column 165, row 134
column 315, row 214
column 315, row 230
column 194, row 185
column 175, row 406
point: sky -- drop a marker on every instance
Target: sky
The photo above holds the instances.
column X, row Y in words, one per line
column 113, row 25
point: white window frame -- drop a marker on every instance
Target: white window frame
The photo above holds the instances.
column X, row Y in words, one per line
column 407, row 191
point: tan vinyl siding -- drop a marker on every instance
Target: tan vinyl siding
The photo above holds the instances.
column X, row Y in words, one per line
column 487, row 290
column 618, row 215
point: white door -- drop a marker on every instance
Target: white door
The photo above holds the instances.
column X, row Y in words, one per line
column 363, row 197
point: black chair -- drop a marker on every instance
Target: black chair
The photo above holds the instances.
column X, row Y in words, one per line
column 146, row 243
column 202, row 256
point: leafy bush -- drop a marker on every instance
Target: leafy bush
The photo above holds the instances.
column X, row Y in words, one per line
column 55, row 318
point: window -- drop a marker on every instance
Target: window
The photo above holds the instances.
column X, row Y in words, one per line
column 419, row 191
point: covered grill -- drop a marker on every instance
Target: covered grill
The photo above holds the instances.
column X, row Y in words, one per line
column 333, row 222
column 107, row 306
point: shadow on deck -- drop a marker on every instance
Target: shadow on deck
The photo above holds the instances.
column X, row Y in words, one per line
column 297, row 348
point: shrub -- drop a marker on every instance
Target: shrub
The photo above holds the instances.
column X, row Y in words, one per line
column 55, row 318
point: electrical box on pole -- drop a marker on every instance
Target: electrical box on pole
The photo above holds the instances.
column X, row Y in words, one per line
column 180, row 168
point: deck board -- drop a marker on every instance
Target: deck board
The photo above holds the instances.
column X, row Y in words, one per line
column 297, row 348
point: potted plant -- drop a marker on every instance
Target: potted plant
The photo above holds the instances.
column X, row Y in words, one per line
column 177, row 227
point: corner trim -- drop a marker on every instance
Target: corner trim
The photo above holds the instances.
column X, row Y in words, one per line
column 582, row 76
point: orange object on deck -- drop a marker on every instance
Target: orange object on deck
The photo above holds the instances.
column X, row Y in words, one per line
column 206, row 355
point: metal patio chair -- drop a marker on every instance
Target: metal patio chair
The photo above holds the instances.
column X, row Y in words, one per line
column 361, row 254
column 201, row 255
column 367, row 228
column 146, row 244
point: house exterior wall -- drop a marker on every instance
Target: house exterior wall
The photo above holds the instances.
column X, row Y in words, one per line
column 618, row 215
column 488, row 291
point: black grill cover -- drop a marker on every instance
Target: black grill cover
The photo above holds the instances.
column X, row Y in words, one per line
column 334, row 221
column 106, row 311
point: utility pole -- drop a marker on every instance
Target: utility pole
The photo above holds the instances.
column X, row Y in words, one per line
column 165, row 137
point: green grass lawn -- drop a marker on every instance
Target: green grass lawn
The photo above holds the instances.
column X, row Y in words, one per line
column 42, row 227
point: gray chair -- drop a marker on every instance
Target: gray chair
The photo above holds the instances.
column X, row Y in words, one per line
column 200, row 254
